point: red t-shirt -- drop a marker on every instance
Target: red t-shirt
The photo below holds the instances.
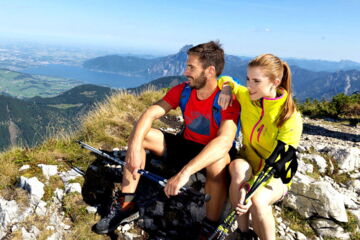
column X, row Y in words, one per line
column 200, row 125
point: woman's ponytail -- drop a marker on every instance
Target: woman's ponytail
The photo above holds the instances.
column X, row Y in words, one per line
column 289, row 106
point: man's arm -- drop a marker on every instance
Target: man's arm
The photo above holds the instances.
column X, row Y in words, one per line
column 215, row 150
column 142, row 127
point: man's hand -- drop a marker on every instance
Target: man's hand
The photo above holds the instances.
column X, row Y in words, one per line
column 225, row 97
column 241, row 208
column 133, row 161
column 174, row 184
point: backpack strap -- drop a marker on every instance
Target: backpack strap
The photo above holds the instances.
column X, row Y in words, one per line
column 185, row 95
column 216, row 110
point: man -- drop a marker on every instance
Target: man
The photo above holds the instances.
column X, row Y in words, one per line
column 201, row 145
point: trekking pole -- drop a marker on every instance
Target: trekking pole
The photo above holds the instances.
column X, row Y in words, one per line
column 223, row 229
column 160, row 180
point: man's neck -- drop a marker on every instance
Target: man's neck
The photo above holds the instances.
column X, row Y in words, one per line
column 207, row 90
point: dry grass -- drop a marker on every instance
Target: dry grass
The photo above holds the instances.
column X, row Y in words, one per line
column 75, row 208
column 109, row 124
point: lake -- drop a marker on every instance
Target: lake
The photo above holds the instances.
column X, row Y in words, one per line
column 87, row 76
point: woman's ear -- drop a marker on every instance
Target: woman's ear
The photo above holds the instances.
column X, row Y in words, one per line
column 277, row 82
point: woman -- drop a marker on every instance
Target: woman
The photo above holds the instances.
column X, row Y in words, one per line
column 268, row 119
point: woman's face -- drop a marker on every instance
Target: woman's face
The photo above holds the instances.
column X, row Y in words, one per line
column 259, row 85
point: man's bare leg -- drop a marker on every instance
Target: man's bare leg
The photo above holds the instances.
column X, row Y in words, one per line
column 154, row 141
column 216, row 186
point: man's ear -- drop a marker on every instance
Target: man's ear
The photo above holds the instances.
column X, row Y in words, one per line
column 211, row 71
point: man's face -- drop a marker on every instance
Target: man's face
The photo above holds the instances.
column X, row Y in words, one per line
column 195, row 73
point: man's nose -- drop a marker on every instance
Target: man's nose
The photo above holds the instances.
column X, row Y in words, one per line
column 186, row 72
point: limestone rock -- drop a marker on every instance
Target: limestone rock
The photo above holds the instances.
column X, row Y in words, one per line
column 348, row 159
column 40, row 209
column 24, row 167
column 320, row 162
column 8, row 214
column 73, row 187
column 328, row 228
column 316, row 199
column 48, row 170
column 69, row 175
column 34, row 187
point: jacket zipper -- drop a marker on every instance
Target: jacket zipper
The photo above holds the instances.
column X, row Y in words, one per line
column 257, row 123
column 259, row 132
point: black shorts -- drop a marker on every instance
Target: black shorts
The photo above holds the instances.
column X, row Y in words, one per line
column 179, row 151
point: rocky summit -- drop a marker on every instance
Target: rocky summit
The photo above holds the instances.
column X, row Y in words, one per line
column 323, row 202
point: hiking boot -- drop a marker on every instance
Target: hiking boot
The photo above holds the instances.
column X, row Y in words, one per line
column 122, row 210
column 248, row 235
column 207, row 229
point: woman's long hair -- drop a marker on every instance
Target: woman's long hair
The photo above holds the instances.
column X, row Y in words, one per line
column 275, row 68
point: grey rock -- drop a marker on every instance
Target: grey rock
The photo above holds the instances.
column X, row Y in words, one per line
column 73, row 187
column 40, row 208
column 24, row 167
column 91, row 209
column 69, row 175
column 328, row 228
column 348, row 159
column 55, row 236
column 300, row 236
column 320, row 162
column 48, row 170
column 59, row 194
column 34, row 187
column 9, row 211
column 316, row 199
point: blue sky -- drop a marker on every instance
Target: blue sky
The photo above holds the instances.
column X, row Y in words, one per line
column 317, row 29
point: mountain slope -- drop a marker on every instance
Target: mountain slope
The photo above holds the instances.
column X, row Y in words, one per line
column 28, row 122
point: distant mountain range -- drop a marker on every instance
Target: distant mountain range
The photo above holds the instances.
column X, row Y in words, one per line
column 28, row 122
column 307, row 84
column 311, row 78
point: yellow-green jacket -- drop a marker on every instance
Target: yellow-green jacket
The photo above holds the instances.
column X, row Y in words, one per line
column 258, row 124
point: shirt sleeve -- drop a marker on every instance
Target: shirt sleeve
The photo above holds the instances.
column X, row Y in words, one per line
column 232, row 112
column 290, row 132
column 173, row 96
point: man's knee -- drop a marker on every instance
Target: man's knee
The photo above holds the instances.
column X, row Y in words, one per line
column 154, row 141
column 218, row 168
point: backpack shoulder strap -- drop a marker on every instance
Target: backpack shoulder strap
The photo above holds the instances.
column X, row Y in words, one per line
column 216, row 110
column 185, row 95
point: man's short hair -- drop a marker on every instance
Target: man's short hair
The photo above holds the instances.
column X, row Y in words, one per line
column 210, row 54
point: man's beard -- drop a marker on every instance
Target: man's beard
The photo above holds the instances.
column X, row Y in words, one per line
column 198, row 82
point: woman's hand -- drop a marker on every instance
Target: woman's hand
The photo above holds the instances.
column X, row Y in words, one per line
column 225, row 97
column 242, row 208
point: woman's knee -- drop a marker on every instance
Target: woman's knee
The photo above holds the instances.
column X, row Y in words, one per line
column 260, row 206
column 240, row 170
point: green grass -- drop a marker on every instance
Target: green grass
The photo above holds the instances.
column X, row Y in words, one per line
column 296, row 222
